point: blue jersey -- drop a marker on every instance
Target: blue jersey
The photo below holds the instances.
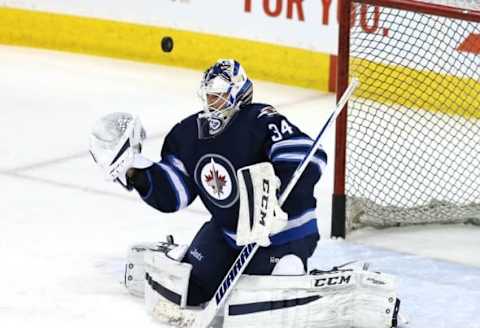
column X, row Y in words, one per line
column 191, row 166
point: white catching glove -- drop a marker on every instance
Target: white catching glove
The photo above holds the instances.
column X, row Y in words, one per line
column 116, row 143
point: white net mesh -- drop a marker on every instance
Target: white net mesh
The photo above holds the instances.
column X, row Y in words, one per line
column 464, row 4
column 413, row 131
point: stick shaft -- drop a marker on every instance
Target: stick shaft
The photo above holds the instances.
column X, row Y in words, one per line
column 331, row 119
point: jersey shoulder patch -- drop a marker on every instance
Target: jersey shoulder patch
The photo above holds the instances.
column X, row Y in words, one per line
column 259, row 112
column 267, row 111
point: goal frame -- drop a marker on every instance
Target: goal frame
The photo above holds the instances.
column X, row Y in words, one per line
column 338, row 219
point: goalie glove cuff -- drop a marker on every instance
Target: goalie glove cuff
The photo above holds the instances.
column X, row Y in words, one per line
column 141, row 162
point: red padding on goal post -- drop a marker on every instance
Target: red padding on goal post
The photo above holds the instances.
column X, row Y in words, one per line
column 471, row 44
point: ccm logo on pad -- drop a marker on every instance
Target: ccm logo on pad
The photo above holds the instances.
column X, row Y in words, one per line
column 332, row 281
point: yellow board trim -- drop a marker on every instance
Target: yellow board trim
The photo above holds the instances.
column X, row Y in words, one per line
column 138, row 42
column 426, row 90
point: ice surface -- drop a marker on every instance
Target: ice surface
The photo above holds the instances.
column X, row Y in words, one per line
column 64, row 231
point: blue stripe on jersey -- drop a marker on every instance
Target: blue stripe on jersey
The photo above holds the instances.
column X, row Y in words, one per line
column 296, row 228
column 304, row 150
column 150, row 190
column 292, row 142
column 298, row 157
column 178, row 164
column 178, row 185
column 296, row 233
column 295, row 150
column 299, row 220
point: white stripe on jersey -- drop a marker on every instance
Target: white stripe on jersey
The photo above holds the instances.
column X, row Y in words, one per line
column 178, row 164
column 289, row 143
column 298, row 157
column 177, row 180
column 292, row 223
column 301, row 220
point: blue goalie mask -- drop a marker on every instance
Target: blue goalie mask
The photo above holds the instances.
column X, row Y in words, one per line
column 223, row 89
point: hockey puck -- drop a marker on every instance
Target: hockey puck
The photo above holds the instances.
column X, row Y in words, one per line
column 167, row 44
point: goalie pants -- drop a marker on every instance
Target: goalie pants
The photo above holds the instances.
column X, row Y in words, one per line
column 211, row 257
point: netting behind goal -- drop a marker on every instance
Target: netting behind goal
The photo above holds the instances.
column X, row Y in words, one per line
column 412, row 146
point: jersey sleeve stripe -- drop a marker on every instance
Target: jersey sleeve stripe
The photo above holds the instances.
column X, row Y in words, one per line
column 320, row 153
column 178, row 164
column 178, row 185
column 306, row 229
column 298, row 157
column 302, row 142
column 303, row 224
column 300, row 220
column 150, row 183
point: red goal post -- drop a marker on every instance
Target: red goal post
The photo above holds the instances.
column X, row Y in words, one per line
column 408, row 146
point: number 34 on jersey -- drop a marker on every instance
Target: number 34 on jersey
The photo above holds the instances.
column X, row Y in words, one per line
column 279, row 131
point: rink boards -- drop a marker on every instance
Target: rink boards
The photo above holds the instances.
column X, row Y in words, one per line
column 141, row 42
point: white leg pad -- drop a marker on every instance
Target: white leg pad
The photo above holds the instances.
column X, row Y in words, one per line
column 135, row 268
column 166, row 289
column 135, row 263
column 359, row 299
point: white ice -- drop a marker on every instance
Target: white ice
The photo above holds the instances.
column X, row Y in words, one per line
column 64, row 231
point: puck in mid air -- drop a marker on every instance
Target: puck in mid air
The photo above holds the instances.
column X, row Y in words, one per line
column 167, row 44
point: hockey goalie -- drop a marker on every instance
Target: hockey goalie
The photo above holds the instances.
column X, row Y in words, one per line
column 236, row 155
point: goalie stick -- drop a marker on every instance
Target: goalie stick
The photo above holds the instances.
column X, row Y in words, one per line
column 205, row 318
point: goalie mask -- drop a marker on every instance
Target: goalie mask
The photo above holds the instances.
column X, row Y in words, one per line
column 223, row 89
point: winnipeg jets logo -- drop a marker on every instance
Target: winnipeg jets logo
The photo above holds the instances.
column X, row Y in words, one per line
column 215, row 175
column 216, row 180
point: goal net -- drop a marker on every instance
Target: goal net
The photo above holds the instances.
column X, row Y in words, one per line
column 408, row 146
